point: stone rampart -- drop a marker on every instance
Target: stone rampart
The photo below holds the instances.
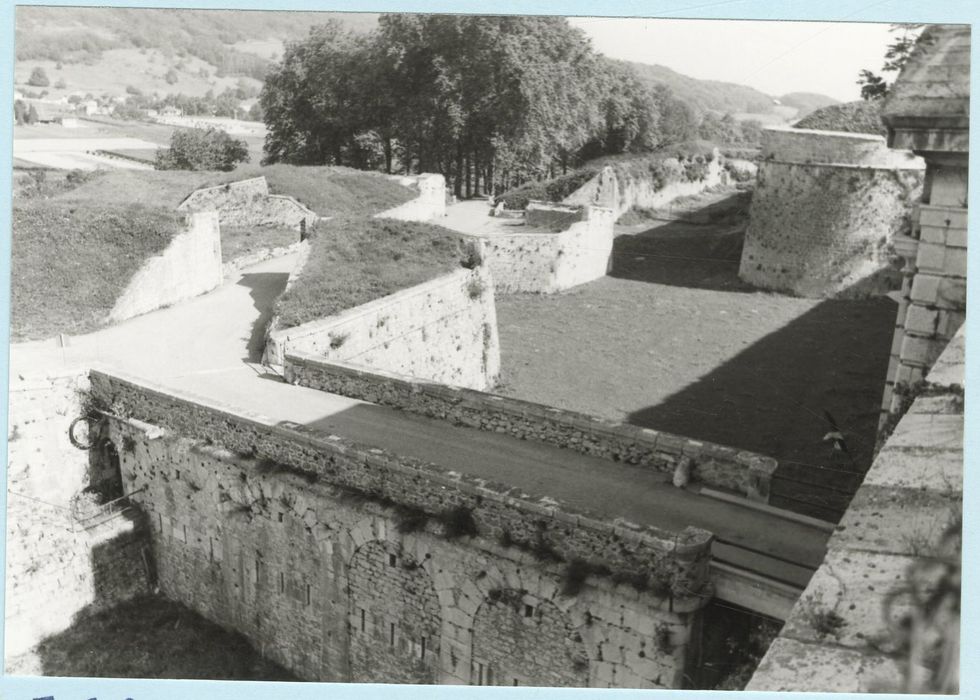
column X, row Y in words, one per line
column 249, row 203
column 745, row 473
column 443, row 330
column 825, row 211
column 341, row 585
column 411, row 483
column 430, row 205
column 546, row 261
column 188, row 267
column 624, row 192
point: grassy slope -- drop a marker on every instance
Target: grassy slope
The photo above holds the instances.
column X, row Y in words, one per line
column 861, row 116
column 151, row 637
column 353, row 261
column 69, row 264
column 326, row 190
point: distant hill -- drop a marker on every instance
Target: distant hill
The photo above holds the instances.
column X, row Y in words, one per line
column 806, row 102
column 706, row 95
column 221, row 38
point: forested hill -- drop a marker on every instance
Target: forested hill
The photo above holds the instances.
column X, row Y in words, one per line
column 234, row 42
column 705, row 95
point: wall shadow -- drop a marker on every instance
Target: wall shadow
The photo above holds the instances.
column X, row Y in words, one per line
column 771, row 397
column 264, row 288
column 682, row 254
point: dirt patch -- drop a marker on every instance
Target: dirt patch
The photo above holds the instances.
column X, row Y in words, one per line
column 673, row 340
column 237, row 241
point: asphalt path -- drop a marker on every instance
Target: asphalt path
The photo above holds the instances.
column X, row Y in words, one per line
column 209, row 346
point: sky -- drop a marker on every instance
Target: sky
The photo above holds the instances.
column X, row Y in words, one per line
column 774, row 57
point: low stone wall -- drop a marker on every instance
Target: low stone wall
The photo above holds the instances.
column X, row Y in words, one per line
column 547, row 262
column 430, row 205
column 742, row 472
column 188, row 267
column 248, row 203
column 338, row 586
column 825, row 211
column 622, row 194
column 443, row 330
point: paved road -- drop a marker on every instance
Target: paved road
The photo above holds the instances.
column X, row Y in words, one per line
column 209, row 346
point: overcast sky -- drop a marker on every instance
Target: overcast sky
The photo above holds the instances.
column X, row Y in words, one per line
column 774, row 57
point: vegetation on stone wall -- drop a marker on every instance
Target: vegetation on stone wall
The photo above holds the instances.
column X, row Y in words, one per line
column 70, row 263
column 355, row 260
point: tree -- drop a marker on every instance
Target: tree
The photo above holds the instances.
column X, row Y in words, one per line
column 20, row 112
column 202, row 149
column 171, row 77
column 38, row 78
column 32, row 116
column 61, row 84
column 874, row 86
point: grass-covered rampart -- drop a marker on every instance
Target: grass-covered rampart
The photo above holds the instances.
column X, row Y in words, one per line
column 681, row 162
column 355, row 260
column 69, row 263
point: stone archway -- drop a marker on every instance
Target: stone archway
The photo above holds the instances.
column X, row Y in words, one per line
column 522, row 639
column 394, row 618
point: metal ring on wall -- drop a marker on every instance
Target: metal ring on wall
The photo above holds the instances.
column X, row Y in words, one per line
column 74, row 440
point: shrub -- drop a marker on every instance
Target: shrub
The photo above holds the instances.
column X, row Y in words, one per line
column 553, row 190
column 475, row 288
column 202, row 149
column 38, row 78
column 61, row 84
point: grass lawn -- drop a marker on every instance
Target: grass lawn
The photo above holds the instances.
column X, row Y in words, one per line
column 673, row 340
column 237, row 241
column 353, row 261
column 69, row 264
column 152, row 637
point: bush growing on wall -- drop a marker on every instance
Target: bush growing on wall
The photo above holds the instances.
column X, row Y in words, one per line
column 202, row 149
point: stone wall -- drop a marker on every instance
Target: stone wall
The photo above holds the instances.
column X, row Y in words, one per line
column 443, row 330
column 546, row 261
column 745, row 473
column 339, row 586
column 54, row 566
column 622, row 193
column 845, row 633
column 189, row 266
column 430, row 205
column 825, row 211
column 248, row 203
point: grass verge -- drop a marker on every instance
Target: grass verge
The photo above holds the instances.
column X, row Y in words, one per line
column 355, row 260
column 237, row 241
column 152, row 637
column 69, row 264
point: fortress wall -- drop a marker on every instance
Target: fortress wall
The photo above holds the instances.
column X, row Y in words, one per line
column 743, row 472
column 339, row 586
column 825, row 211
column 622, row 193
column 54, row 567
column 408, row 482
column 430, row 205
column 545, row 262
column 443, row 330
column 248, row 203
column 188, row 267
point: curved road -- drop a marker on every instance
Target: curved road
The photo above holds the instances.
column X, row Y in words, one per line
column 209, row 346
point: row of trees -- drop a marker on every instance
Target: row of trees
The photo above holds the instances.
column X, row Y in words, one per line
column 487, row 101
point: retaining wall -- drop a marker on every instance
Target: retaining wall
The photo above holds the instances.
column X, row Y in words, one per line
column 444, row 330
column 189, row 266
column 624, row 193
column 546, row 261
column 743, row 472
column 248, row 203
column 54, row 567
column 428, row 206
column 825, row 211
column 340, row 587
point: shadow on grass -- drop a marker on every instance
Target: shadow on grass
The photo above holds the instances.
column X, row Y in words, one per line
column 264, row 288
column 771, row 397
column 151, row 637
